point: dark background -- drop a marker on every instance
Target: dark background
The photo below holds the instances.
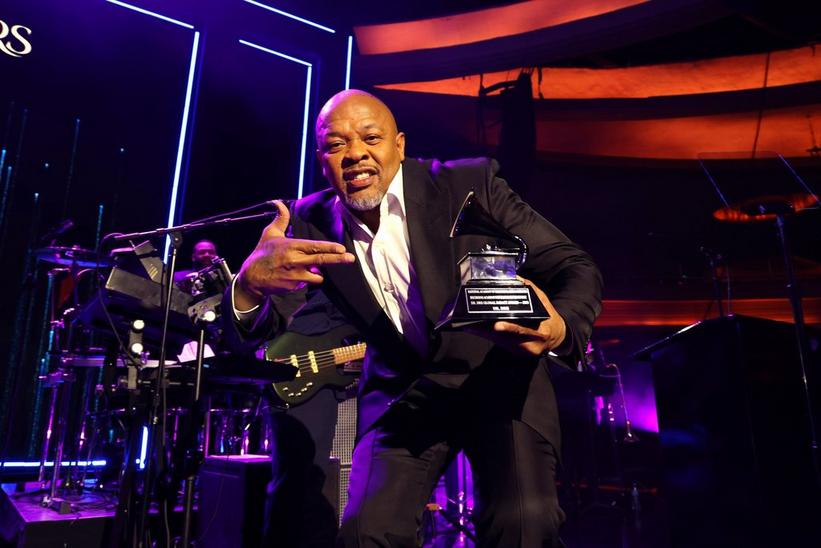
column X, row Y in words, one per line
column 91, row 119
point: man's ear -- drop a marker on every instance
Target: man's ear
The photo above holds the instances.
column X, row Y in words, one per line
column 400, row 145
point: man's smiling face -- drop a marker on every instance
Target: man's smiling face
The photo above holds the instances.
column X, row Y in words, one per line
column 359, row 148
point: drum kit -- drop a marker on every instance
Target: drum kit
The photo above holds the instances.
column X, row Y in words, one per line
column 142, row 425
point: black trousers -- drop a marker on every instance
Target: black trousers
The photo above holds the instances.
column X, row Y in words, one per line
column 397, row 464
column 297, row 513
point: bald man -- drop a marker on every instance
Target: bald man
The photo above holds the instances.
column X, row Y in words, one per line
column 377, row 243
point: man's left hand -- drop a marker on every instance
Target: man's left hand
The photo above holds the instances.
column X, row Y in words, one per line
column 526, row 341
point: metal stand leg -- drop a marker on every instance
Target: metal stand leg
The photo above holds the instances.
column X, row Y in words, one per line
column 206, row 442
column 123, row 531
column 188, row 510
column 90, row 447
column 193, row 457
column 63, row 391
column 803, row 345
column 41, row 478
column 74, row 475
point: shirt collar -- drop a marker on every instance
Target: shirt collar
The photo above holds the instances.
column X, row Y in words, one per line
column 394, row 201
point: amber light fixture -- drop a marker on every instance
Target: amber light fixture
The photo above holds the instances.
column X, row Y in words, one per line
column 681, row 313
column 740, row 212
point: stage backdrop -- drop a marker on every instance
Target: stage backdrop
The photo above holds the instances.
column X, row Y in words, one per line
column 124, row 116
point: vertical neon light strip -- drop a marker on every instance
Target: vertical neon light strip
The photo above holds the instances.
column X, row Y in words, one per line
column 5, row 198
column 99, row 226
column 143, row 448
column 172, row 209
column 348, row 64
column 306, row 107
column 304, row 133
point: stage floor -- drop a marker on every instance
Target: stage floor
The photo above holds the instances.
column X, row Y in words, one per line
column 25, row 522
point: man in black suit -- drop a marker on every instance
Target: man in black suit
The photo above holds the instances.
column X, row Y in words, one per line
column 378, row 244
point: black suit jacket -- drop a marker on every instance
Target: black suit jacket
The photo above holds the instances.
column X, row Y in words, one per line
column 434, row 191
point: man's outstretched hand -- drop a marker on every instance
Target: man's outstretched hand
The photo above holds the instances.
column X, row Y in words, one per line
column 526, row 341
column 279, row 264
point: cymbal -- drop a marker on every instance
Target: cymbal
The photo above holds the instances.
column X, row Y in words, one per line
column 765, row 208
column 71, row 256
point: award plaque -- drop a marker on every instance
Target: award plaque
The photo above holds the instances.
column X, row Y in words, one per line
column 490, row 290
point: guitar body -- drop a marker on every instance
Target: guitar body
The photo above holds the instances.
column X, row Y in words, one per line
column 322, row 360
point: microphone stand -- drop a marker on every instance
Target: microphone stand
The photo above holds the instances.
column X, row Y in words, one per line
column 187, row 227
column 158, row 397
column 801, row 336
column 193, row 457
column 713, row 259
column 716, row 286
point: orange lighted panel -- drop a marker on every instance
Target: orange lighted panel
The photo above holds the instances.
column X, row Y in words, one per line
column 735, row 73
column 479, row 25
column 680, row 313
column 783, row 130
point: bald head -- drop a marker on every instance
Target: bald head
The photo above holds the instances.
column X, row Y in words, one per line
column 359, row 148
column 347, row 97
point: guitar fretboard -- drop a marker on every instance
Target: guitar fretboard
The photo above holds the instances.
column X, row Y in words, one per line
column 349, row 353
column 314, row 361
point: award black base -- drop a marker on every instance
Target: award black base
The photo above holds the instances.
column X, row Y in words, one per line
column 483, row 302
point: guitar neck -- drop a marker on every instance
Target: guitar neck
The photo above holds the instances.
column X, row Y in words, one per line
column 335, row 356
column 350, row 353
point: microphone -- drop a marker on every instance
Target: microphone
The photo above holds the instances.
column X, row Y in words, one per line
column 63, row 226
column 287, row 201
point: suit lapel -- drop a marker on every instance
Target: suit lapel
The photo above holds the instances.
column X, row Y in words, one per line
column 429, row 221
column 348, row 279
column 428, row 218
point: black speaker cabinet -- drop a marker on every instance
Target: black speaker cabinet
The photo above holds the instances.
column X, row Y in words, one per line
column 232, row 501
column 735, row 434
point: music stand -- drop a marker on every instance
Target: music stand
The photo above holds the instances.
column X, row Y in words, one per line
column 764, row 187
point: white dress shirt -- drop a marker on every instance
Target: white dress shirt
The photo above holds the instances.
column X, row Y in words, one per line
column 384, row 259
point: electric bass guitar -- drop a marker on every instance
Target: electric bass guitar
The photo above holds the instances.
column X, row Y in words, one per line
column 319, row 360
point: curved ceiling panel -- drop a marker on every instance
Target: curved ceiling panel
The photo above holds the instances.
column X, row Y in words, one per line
column 474, row 26
column 627, row 26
